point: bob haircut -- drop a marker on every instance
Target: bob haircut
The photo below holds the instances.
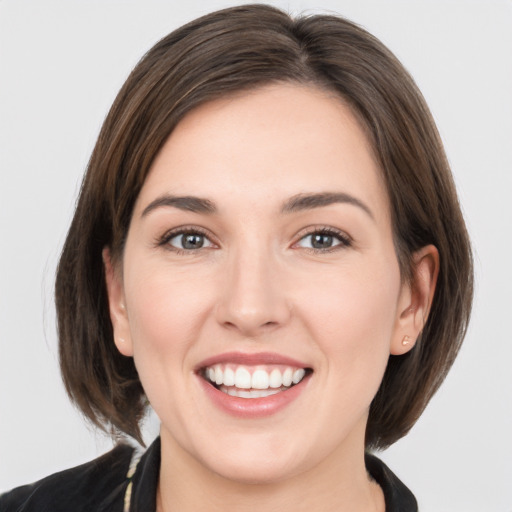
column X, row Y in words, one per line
column 235, row 50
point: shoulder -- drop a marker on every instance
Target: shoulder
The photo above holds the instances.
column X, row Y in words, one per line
column 97, row 485
column 397, row 496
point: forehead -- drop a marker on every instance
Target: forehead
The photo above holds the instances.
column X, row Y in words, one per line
column 265, row 145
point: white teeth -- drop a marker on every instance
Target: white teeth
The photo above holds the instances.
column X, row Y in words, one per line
column 219, row 377
column 249, row 393
column 229, row 377
column 275, row 379
column 298, row 375
column 288, row 377
column 260, row 380
column 242, row 378
column 269, row 392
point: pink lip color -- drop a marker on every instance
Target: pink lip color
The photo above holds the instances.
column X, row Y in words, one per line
column 250, row 360
column 251, row 408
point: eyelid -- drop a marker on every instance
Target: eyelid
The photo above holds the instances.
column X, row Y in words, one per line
column 345, row 239
column 163, row 240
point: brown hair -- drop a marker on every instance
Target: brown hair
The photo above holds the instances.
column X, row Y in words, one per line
column 234, row 50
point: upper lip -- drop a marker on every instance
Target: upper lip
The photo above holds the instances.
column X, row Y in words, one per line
column 254, row 359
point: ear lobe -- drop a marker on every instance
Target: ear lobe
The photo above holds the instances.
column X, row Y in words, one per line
column 118, row 313
column 416, row 299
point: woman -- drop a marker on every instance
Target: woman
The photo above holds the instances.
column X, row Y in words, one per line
column 269, row 250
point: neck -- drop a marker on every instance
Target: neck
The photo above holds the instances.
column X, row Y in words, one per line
column 340, row 483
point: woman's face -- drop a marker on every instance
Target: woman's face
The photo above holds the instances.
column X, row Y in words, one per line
column 260, row 253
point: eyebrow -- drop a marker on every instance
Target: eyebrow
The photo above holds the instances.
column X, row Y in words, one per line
column 302, row 202
column 297, row 203
column 187, row 203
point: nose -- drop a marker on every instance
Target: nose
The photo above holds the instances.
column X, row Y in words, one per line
column 253, row 300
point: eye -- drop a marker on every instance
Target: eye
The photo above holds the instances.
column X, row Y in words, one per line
column 324, row 240
column 186, row 240
column 189, row 241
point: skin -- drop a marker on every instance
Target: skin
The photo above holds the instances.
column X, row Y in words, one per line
column 257, row 285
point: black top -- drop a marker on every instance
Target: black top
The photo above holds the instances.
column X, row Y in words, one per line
column 123, row 481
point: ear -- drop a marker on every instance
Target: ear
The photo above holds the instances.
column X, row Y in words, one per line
column 118, row 313
column 415, row 300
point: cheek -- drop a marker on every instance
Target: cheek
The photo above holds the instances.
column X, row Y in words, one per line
column 354, row 313
column 166, row 309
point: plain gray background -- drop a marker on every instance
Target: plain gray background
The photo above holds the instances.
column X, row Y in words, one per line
column 61, row 64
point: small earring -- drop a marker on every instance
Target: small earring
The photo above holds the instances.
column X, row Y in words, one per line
column 121, row 340
column 406, row 340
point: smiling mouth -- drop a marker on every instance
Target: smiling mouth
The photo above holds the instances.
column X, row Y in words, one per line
column 259, row 381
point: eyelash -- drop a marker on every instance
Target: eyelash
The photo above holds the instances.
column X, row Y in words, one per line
column 344, row 240
column 192, row 230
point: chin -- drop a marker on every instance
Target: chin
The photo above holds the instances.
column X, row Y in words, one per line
column 256, row 463
column 260, row 472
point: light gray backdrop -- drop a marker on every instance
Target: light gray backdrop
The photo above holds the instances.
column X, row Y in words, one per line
column 61, row 64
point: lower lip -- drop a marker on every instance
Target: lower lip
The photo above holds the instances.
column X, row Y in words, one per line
column 253, row 407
